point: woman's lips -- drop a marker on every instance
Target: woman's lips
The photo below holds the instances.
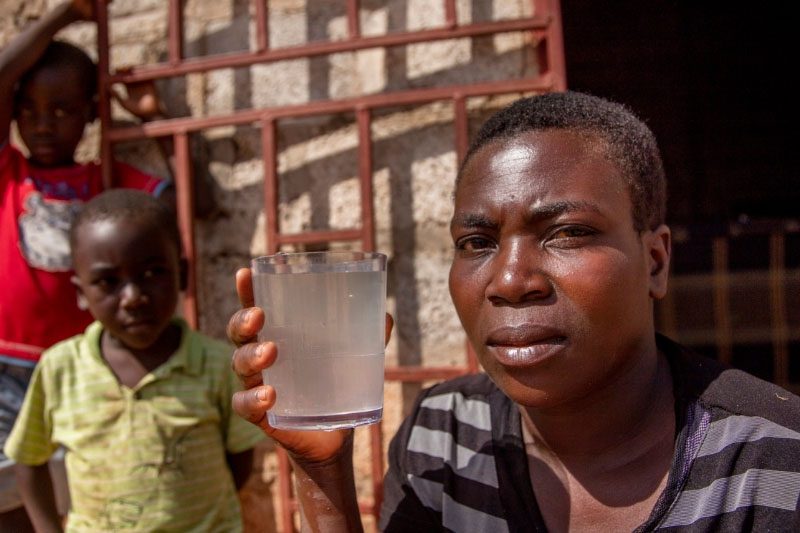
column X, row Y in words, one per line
column 526, row 345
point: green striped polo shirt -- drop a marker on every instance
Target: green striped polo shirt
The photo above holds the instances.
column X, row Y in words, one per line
column 146, row 458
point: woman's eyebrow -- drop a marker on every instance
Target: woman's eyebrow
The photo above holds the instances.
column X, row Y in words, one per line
column 473, row 220
column 535, row 213
column 554, row 209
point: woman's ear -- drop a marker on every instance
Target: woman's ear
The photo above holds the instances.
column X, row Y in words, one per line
column 659, row 246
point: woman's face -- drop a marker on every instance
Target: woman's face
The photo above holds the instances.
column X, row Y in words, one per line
column 551, row 281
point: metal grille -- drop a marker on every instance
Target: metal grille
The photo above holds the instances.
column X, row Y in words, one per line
column 735, row 296
column 544, row 28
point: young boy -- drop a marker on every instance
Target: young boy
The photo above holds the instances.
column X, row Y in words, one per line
column 139, row 401
column 586, row 419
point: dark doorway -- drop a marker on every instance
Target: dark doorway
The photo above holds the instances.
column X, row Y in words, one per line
column 713, row 82
column 711, row 79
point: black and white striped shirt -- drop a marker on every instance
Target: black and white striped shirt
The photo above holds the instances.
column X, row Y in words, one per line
column 458, row 462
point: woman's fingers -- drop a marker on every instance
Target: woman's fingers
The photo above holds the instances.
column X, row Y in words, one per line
column 244, row 287
column 389, row 327
column 252, row 405
column 244, row 325
column 250, row 360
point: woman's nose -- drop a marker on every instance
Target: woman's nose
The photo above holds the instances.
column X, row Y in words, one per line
column 518, row 276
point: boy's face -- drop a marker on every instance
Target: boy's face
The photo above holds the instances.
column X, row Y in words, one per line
column 553, row 285
column 129, row 274
column 51, row 112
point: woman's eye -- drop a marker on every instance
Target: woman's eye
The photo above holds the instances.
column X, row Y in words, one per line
column 570, row 233
column 473, row 244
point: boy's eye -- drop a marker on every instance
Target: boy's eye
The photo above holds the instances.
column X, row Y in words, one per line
column 106, row 284
column 153, row 272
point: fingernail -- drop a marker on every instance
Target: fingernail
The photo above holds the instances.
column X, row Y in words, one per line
column 261, row 394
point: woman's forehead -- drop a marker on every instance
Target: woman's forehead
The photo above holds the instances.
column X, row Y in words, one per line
column 533, row 154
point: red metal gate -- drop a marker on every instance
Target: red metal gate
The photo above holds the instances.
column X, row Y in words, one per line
column 545, row 40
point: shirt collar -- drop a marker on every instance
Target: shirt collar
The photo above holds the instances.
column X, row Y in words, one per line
column 187, row 358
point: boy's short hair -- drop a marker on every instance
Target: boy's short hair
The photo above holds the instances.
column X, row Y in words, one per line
column 130, row 204
column 631, row 144
column 60, row 54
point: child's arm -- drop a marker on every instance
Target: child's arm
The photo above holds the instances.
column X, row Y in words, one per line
column 27, row 47
column 241, row 466
column 142, row 101
column 36, row 487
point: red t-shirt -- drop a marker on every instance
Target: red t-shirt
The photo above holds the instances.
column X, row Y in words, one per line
column 38, row 303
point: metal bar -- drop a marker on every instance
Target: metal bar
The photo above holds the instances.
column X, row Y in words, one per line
column 364, row 507
column 353, row 23
column 287, row 503
column 552, row 54
column 316, row 237
column 461, row 124
column 268, row 150
column 262, row 25
column 399, row 98
column 365, row 178
column 721, row 285
column 185, row 191
column 244, row 59
column 104, row 100
column 780, row 322
column 175, row 33
column 376, row 449
column 363, row 118
column 450, row 15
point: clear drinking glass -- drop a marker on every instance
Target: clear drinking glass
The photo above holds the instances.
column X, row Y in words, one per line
column 325, row 311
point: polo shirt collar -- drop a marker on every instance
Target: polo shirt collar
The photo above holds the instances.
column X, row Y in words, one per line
column 186, row 358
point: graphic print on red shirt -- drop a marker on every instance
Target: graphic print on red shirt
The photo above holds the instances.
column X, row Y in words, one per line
column 38, row 304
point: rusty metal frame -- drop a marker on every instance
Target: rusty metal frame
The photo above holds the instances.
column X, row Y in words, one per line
column 547, row 40
column 721, row 279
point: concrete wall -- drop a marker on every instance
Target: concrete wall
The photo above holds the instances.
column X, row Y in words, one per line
column 414, row 160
